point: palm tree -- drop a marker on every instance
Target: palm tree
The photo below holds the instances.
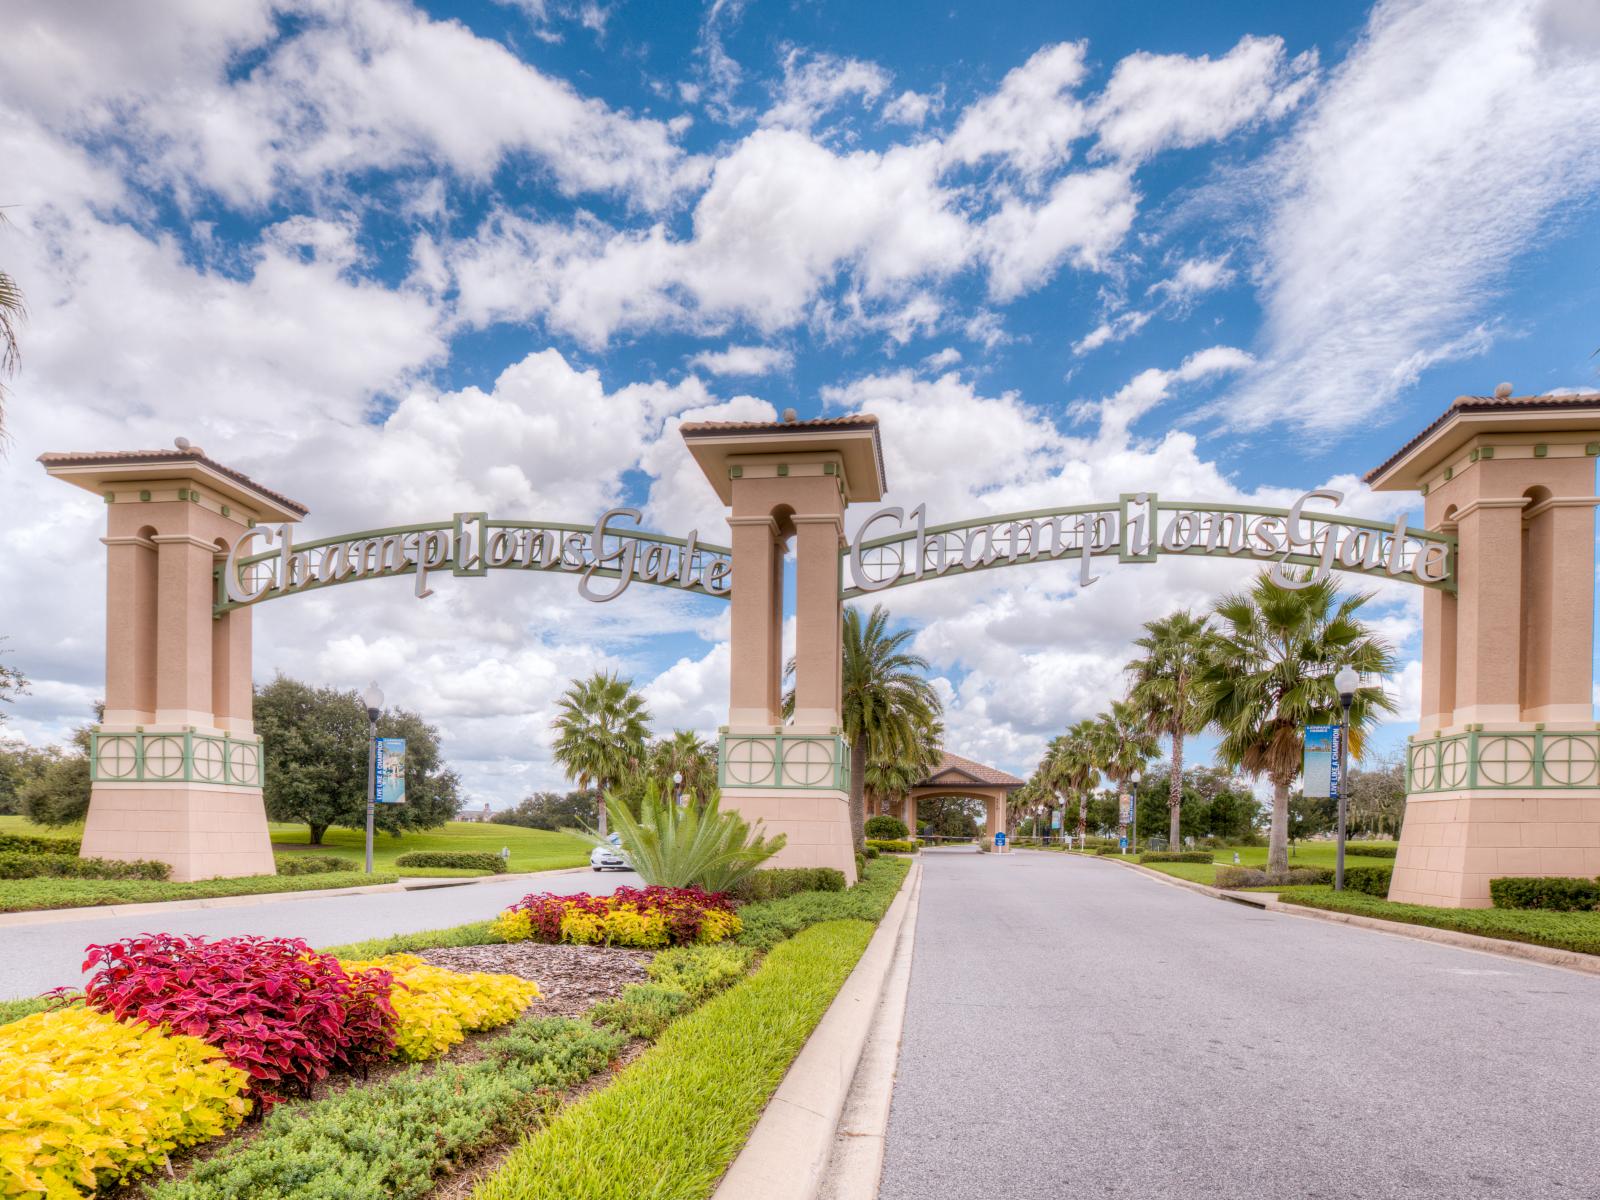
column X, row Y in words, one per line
column 600, row 733
column 1270, row 673
column 1072, row 766
column 684, row 754
column 12, row 313
column 888, row 779
column 1164, row 690
column 1122, row 744
column 888, row 707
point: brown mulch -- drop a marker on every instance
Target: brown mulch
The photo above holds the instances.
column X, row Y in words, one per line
column 571, row 979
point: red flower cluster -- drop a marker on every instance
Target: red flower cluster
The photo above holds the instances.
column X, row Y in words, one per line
column 281, row 1012
column 683, row 908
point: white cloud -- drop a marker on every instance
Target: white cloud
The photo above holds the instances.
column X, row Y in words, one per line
column 743, row 360
column 1453, row 137
column 1194, row 277
column 1032, row 120
column 815, row 84
column 1084, row 218
column 912, row 108
column 940, row 359
column 1123, row 325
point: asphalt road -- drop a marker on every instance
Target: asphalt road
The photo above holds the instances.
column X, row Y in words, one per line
column 1078, row 1029
column 35, row 958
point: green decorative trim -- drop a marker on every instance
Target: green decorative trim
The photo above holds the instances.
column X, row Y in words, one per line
column 1541, row 451
column 111, row 497
column 735, row 472
column 1522, row 760
column 1450, row 472
column 1592, row 449
column 1488, row 452
column 830, row 468
column 1473, row 456
column 174, row 756
column 783, row 470
column 144, row 495
column 1423, row 489
column 783, row 761
column 225, row 510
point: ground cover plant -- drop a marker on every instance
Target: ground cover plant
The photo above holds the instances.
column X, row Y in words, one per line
column 777, row 882
column 27, row 843
column 531, row 849
column 648, row 917
column 88, row 1100
column 25, row 895
column 1552, row 893
column 1304, row 855
column 16, row 864
column 1579, row 931
column 670, row 1123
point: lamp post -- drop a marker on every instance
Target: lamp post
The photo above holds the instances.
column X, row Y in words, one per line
column 373, row 699
column 1133, row 810
column 1345, row 682
column 677, row 787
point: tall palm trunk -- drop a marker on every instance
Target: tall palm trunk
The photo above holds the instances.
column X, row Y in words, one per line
column 600, row 806
column 1175, row 787
column 858, row 787
column 1278, row 843
column 1083, row 817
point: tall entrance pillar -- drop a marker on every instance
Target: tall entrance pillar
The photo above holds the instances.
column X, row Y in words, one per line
column 1503, row 775
column 788, row 484
column 175, row 765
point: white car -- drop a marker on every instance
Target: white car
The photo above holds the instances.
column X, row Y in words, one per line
column 610, row 856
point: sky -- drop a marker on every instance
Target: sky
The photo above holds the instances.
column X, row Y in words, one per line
column 401, row 260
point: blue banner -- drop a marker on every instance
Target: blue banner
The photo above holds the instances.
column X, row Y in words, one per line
column 1322, row 761
column 391, row 771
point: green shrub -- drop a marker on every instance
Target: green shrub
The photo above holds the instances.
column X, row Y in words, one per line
column 1374, row 881
column 767, row 924
column 695, row 844
column 1550, row 893
column 886, row 846
column 22, row 843
column 643, row 1009
column 1372, row 849
column 19, row 865
column 889, row 828
column 1103, row 851
column 778, row 882
column 1576, row 931
column 870, row 852
column 861, row 864
column 700, row 971
column 1249, row 877
column 459, row 859
column 313, row 864
column 395, row 1138
column 1190, row 856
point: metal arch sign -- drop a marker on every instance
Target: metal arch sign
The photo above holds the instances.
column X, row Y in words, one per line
column 886, row 553
column 474, row 544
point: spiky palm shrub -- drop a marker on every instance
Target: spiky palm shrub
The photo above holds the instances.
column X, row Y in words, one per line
column 694, row 844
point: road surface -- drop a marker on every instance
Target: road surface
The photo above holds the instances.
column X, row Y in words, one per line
column 34, row 958
column 1077, row 1029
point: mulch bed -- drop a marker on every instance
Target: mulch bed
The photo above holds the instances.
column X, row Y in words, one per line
column 571, row 979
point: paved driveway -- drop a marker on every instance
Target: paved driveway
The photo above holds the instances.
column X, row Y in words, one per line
column 34, row 958
column 1075, row 1028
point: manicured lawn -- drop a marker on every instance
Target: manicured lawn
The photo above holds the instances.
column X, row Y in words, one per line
column 25, row 895
column 1304, row 854
column 1578, row 931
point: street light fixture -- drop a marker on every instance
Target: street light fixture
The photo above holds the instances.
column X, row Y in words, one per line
column 1133, row 809
column 677, row 787
column 373, row 699
column 1345, row 683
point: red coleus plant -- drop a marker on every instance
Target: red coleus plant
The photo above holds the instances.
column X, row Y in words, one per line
column 683, row 908
column 281, row 1012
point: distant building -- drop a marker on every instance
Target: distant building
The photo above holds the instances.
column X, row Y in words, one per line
column 476, row 814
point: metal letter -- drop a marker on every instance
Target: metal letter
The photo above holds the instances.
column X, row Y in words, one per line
column 623, row 556
column 857, row 568
column 230, row 572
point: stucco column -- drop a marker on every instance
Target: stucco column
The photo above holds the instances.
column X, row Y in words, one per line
column 232, row 692
column 755, row 674
column 1489, row 612
column 818, row 619
column 183, row 630
column 1558, row 616
column 130, row 630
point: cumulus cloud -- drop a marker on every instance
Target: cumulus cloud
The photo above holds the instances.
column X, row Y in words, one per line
column 814, row 84
column 743, row 360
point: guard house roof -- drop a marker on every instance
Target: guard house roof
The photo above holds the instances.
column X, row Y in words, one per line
column 853, row 436
column 980, row 775
column 104, row 470
column 1469, row 416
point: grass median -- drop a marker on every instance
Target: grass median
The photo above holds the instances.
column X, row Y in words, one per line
column 1579, row 931
column 27, row 895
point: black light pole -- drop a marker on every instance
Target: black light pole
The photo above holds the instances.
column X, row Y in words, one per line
column 1133, row 811
column 1346, row 682
column 373, row 698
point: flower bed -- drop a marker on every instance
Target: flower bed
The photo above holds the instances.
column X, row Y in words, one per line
column 649, row 917
column 436, row 1008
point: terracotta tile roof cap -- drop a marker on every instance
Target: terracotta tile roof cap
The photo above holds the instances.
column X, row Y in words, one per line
column 96, row 458
column 1487, row 404
column 989, row 776
column 846, row 421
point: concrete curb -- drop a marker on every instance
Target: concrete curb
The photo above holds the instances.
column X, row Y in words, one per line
column 1546, row 956
column 55, row 916
column 787, row 1155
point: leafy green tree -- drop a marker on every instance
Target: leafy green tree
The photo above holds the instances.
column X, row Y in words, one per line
column 1122, row 744
column 316, row 743
column 948, row 816
column 600, row 733
column 1310, row 816
column 1164, row 692
column 20, row 765
column 1270, row 674
column 683, row 754
column 888, row 779
column 59, row 795
column 694, row 844
column 12, row 681
column 1377, row 797
column 550, row 810
column 889, row 707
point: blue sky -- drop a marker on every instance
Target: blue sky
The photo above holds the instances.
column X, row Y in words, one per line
column 402, row 260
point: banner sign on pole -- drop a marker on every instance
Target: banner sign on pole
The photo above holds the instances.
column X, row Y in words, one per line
column 1125, row 809
column 391, row 771
column 1322, row 761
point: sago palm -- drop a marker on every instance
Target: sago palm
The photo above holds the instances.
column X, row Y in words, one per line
column 694, row 844
column 1164, row 691
column 600, row 733
column 1270, row 673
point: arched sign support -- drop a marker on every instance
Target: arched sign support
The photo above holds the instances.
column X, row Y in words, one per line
column 1503, row 775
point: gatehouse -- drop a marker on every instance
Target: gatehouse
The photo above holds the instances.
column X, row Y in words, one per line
column 1503, row 773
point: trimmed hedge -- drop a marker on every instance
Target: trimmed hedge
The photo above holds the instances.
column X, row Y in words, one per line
column 22, row 843
column 778, row 882
column 1374, row 881
column 458, row 859
column 886, row 827
column 313, row 864
column 767, row 924
column 1579, row 931
column 891, row 846
column 1190, row 856
column 1372, row 849
column 1550, row 893
column 1104, row 851
column 1250, row 877
column 19, row 865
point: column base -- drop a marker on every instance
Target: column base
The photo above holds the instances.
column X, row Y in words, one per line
column 816, row 824
column 1452, row 845
column 203, row 831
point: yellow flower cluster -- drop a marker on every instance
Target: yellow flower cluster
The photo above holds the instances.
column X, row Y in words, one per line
column 438, row 1008
column 513, row 925
column 717, row 925
column 86, row 1099
column 621, row 926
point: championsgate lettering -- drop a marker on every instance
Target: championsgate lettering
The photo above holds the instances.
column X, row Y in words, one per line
column 893, row 547
column 605, row 557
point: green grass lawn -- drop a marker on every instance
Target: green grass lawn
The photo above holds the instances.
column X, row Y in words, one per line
column 27, row 895
column 1578, row 931
column 1304, row 854
column 531, row 849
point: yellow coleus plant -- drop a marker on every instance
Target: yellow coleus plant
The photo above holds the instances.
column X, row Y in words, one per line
column 437, row 1008
column 87, row 1100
